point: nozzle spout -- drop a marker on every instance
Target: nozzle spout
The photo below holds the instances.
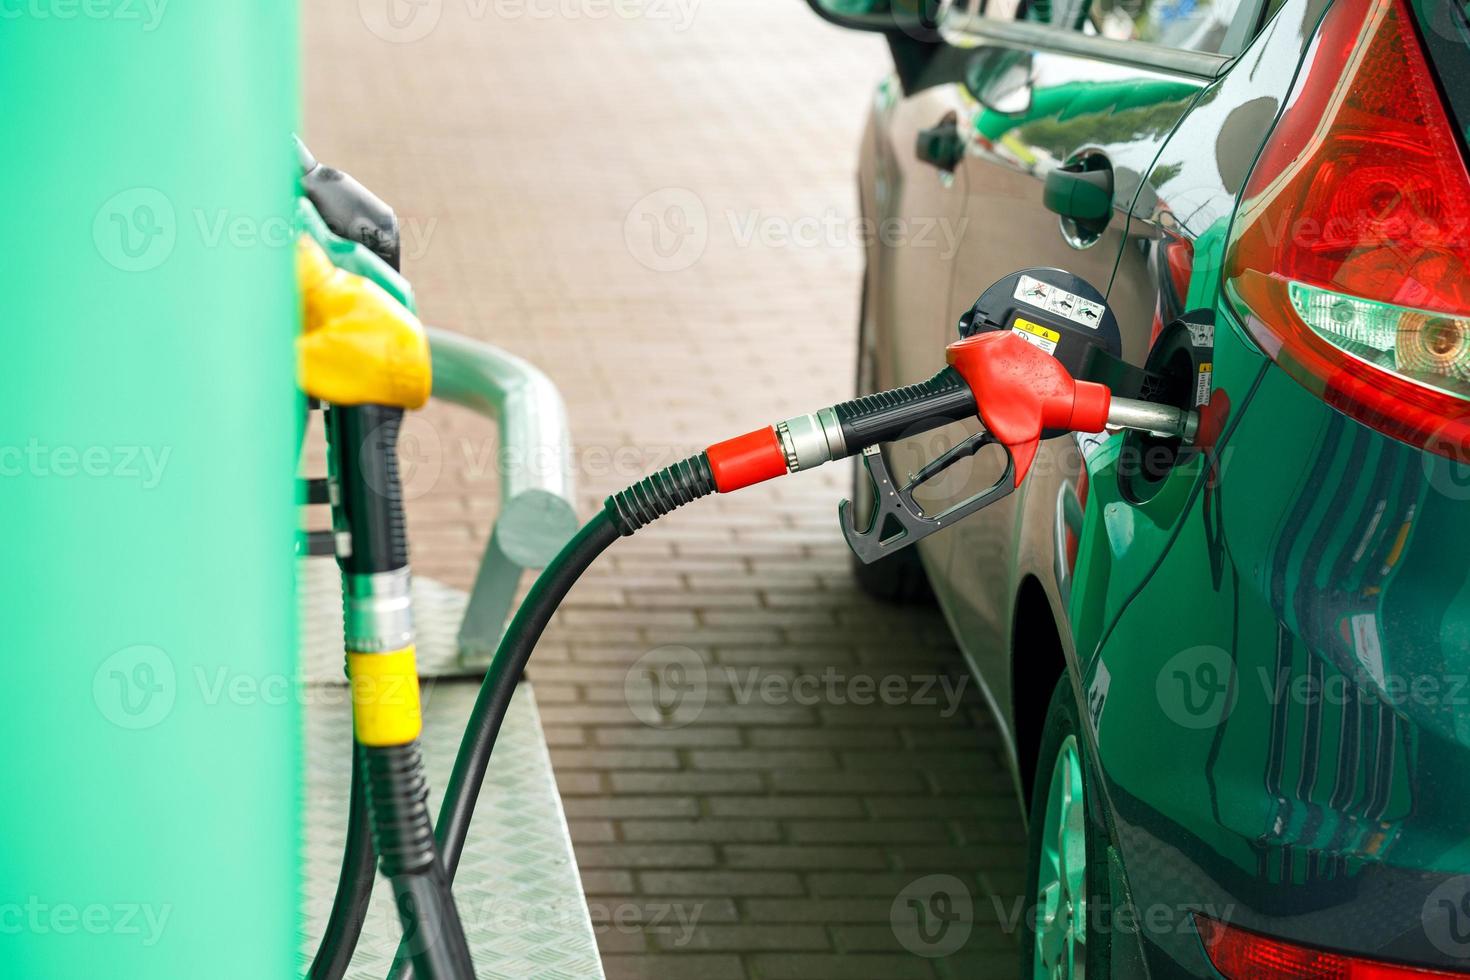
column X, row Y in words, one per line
column 1160, row 420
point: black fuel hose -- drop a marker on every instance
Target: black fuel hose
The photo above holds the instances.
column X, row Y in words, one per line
column 864, row 421
column 354, row 888
column 622, row 514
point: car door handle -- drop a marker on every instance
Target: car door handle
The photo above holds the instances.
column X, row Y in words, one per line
column 1082, row 191
column 941, row 145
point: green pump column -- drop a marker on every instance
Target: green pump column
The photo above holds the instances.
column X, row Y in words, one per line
column 150, row 728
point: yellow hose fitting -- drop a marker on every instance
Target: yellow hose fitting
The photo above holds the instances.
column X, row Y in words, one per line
column 358, row 345
column 385, row 697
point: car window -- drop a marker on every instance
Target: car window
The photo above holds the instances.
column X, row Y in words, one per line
column 1209, row 26
column 1193, row 25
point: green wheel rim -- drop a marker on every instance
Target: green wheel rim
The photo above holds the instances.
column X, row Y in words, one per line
column 1061, row 880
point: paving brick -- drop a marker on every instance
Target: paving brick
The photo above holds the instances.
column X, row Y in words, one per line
column 610, row 941
column 607, row 882
column 614, row 759
column 644, row 855
column 600, row 831
column 777, row 806
column 624, row 806
column 824, row 910
column 975, row 857
column 868, row 832
column 719, row 883
column 803, row 856
column 896, row 782
column 713, row 831
column 701, row 967
column 654, row 913
column 570, row 783
column 1000, row 808
column 873, row 884
column 765, row 936
column 691, row 736
column 563, row 735
column 822, row 738
column 807, row 966
column 684, row 782
column 784, row 759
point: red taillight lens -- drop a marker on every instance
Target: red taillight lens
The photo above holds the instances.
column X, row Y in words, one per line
column 1350, row 257
column 1243, row 955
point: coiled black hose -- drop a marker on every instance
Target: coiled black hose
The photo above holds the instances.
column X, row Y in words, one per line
column 622, row 514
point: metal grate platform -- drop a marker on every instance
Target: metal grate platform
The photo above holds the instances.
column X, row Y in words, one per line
column 518, row 889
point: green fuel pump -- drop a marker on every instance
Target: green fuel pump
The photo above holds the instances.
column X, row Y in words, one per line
column 147, row 432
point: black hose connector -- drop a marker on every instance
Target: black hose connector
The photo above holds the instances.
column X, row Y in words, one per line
column 669, row 489
column 906, row 411
column 398, row 797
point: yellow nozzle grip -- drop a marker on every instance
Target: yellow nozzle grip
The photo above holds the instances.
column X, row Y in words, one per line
column 358, row 345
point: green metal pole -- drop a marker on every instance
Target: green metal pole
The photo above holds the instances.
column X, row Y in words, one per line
column 151, row 723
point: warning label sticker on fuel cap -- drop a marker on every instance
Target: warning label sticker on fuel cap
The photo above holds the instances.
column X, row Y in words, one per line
column 1036, row 335
column 1201, row 334
column 1056, row 300
column 1202, row 384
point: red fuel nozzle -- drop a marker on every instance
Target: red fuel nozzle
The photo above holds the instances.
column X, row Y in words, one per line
column 1021, row 391
column 1017, row 391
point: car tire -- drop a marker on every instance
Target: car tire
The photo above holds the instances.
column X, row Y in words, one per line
column 1063, row 900
column 900, row 578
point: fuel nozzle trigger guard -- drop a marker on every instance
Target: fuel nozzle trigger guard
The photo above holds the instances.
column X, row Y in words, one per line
column 895, row 505
column 1020, row 395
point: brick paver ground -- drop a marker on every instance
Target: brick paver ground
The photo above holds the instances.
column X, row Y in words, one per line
column 534, row 149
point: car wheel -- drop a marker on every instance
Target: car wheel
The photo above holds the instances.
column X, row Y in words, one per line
column 1067, row 870
column 899, row 578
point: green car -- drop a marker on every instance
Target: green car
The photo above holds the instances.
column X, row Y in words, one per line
column 1235, row 675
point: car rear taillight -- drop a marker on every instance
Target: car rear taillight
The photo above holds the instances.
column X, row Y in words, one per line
column 1240, row 954
column 1350, row 257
